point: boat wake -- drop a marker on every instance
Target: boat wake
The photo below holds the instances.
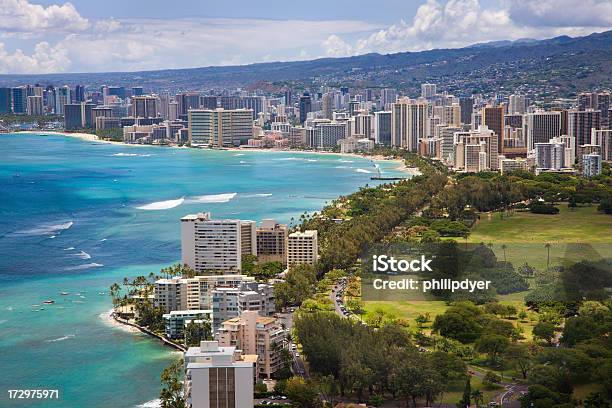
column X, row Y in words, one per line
column 69, row 336
column 48, row 229
column 150, row 404
column 363, row 171
column 212, row 198
column 84, row 266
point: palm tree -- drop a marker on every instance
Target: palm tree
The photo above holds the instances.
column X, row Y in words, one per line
column 504, row 249
column 547, row 246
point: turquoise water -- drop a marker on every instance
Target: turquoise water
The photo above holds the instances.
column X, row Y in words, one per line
column 76, row 216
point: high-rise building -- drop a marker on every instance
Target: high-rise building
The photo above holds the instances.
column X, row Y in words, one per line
column 387, row 97
column 79, row 94
column 217, row 377
column 382, row 127
column 476, row 150
column 220, row 128
column 305, row 106
column 187, row 101
column 603, row 139
column 6, row 100
column 493, row 118
column 272, row 242
column 428, row 90
column 517, row 104
column 137, row 91
column 540, row 127
column 467, row 108
column 20, row 103
column 35, row 105
column 229, row 302
column 327, row 135
column 254, row 334
column 73, row 119
column 591, row 165
column 550, row 156
column 302, row 247
column 580, row 123
column 208, row 102
column 211, row 246
column 408, row 123
column 447, row 143
column 62, row 98
column 145, row 106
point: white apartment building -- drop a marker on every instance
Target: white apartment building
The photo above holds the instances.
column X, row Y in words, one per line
column 218, row 377
column 211, row 246
column 219, row 127
column 302, row 247
column 176, row 320
column 476, row 150
column 228, row 302
column 409, row 123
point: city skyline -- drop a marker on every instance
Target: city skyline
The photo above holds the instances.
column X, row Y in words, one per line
column 54, row 36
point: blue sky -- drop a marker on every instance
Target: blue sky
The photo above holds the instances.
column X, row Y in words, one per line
column 39, row 36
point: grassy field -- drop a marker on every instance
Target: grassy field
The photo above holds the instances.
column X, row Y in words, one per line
column 581, row 233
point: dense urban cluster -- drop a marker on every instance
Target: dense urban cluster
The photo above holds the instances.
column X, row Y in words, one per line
column 467, row 133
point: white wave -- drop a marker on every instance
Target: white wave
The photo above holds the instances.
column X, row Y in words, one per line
column 103, row 240
column 363, row 171
column 346, row 161
column 212, row 198
column 243, row 162
column 342, row 167
column 130, row 155
column 69, row 336
column 9, row 308
column 263, row 195
column 162, row 205
column 3, row 321
column 107, row 318
column 84, row 266
column 150, row 404
column 311, row 160
column 288, row 158
column 83, row 255
column 68, row 249
column 239, row 154
column 52, row 236
column 48, row 229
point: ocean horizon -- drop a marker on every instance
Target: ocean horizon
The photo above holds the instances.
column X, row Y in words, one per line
column 77, row 216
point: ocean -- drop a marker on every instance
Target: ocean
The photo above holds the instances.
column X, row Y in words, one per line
column 76, row 216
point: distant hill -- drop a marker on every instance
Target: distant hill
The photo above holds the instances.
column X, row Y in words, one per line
column 558, row 65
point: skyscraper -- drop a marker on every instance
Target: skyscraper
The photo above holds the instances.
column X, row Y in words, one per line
column 5, row 100
column 382, row 127
column 220, row 128
column 62, row 98
column 34, row 105
column 305, row 106
column 493, row 118
column 20, row 103
column 144, row 106
column 517, row 104
column 540, row 127
column 79, row 93
column 408, row 123
column 580, row 123
column 467, row 107
column 428, row 90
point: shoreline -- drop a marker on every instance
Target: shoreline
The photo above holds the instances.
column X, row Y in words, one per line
column 90, row 137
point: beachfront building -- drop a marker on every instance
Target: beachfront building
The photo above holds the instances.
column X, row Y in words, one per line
column 176, row 320
column 220, row 127
column 218, row 377
column 193, row 293
column 255, row 334
column 228, row 302
column 215, row 246
column 272, row 241
column 302, row 247
column 476, row 150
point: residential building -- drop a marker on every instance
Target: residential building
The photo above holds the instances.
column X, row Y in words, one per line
column 212, row 246
column 272, row 241
column 255, row 334
column 302, row 247
column 591, row 165
column 541, row 126
column 428, row 90
column 219, row 127
column 382, row 127
column 145, row 106
column 35, row 105
column 603, row 138
column 476, row 150
column 218, row 377
column 228, row 302
column 6, row 101
column 176, row 320
column 19, row 97
column 581, row 122
column 493, row 118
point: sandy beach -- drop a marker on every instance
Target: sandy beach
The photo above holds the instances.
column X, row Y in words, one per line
column 401, row 165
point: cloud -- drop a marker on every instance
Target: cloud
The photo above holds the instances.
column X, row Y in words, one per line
column 44, row 58
column 458, row 23
column 562, row 13
column 22, row 16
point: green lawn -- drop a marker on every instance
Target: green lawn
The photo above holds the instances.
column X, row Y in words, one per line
column 581, row 233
